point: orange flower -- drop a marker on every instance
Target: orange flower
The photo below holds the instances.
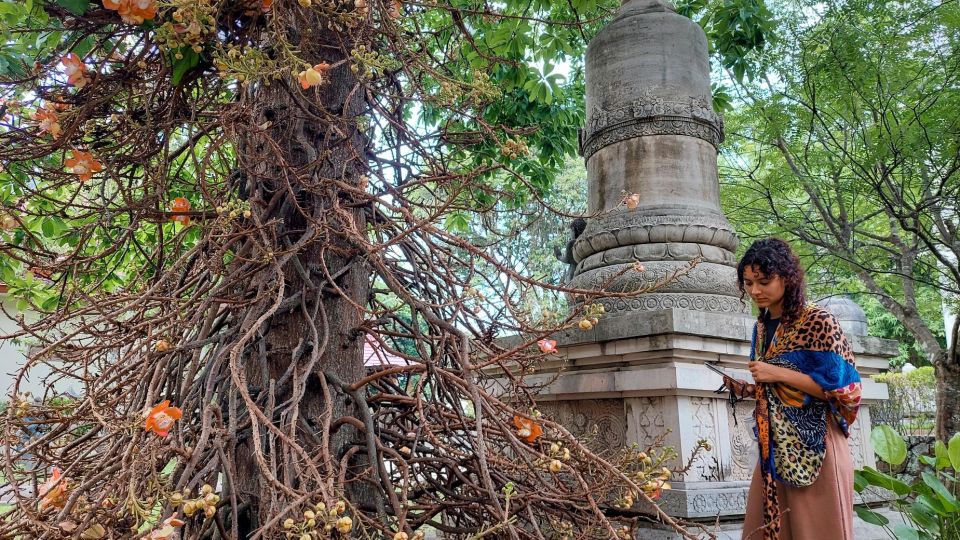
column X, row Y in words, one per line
column 57, row 105
column 133, row 11
column 167, row 528
column 180, row 204
column 654, row 488
column 161, row 418
column 267, row 4
column 313, row 76
column 395, row 7
column 547, row 345
column 82, row 164
column 138, row 11
column 48, row 120
column 527, row 429
column 75, row 69
column 53, row 492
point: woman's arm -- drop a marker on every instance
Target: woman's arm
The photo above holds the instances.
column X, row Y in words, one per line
column 769, row 373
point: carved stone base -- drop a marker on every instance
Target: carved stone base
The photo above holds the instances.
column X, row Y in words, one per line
column 706, row 500
column 640, row 379
column 708, row 287
column 623, row 227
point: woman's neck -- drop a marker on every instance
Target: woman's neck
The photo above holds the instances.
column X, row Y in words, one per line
column 775, row 311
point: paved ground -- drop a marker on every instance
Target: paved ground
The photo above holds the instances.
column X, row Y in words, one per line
column 861, row 530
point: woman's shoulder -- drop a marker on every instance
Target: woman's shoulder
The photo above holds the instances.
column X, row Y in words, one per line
column 815, row 313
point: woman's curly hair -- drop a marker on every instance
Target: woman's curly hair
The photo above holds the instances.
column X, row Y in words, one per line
column 773, row 257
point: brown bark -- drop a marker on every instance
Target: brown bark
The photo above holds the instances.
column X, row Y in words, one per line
column 318, row 145
column 948, row 399
column 948, row 387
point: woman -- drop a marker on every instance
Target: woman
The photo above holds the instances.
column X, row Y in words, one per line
column 807, row 393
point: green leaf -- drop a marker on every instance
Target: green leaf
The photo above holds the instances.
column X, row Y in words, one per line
column 456, row 222
column 943, row 494
column 888, row 444
column 859, row 482
column 77, row 7
column 930, row 503
column 84, row 46
column 924, row 516
column 870, row 516
column 189, row 60
column 12, row 65
column 50, row 303
column 953, row 451
column 942, row 459
column 905, row 532
column 47, row 226
column 885, row 481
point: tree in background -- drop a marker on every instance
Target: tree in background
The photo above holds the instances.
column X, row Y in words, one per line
column 213, row 204
column 847, row 141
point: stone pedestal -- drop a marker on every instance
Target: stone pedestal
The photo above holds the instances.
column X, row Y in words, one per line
column 633, row 378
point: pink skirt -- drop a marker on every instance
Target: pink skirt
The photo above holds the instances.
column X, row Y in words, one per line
column 819, row 511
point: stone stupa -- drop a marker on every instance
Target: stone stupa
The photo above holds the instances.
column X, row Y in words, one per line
column 639, row 373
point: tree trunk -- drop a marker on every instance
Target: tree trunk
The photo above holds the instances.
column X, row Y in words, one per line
column 945, row 363
column 948, row 398
column 310, row 142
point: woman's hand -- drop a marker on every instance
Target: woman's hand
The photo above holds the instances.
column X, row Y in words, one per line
column 740, row 388
column 766, row 373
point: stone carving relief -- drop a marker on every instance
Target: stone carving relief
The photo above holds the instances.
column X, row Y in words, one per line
column 743, row 446
column 661, row 301
column 723, row 503
column 856, row 443
column 626, row 228
column 663, row 251
column 647, row 415
column 647, row 127
column 707, row 466
column 709, row 503
column 707, row 278
column 601, row 423
column 652, row 114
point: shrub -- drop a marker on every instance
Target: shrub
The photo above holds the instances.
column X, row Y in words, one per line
column 929, row 504
column 910, row 409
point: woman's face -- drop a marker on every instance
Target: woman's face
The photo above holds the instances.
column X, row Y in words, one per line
column 765, row 291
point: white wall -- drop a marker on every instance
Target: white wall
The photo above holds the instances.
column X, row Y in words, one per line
column 13, row 354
